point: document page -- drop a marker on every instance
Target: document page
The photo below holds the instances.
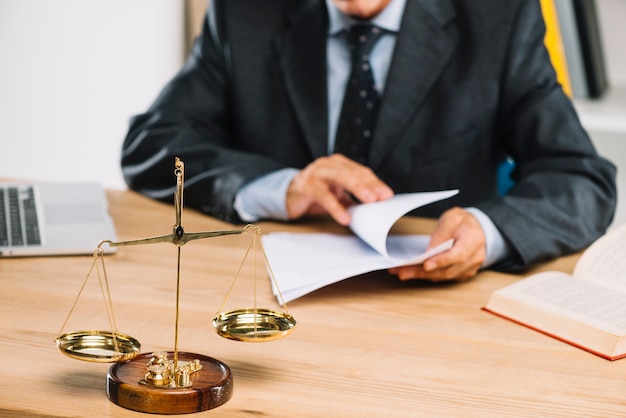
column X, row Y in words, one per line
column 373, row 221
column 304, row 262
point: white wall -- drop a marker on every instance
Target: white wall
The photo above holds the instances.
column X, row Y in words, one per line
column 606, row 118
column 72, row 73
column 612, row 17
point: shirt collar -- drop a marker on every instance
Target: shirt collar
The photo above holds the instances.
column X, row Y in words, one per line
column 389, row 19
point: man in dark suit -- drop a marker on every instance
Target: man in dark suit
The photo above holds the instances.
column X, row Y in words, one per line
column 463, row 84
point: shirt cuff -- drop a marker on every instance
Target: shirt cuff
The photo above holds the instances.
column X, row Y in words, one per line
column 497, row 247
column 265, row 197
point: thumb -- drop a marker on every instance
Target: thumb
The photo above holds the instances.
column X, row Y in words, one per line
column 447, row 225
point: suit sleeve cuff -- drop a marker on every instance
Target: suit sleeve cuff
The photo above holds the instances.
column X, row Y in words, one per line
column 497, row 247
column 265, row 197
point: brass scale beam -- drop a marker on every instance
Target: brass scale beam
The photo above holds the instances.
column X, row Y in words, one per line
column 179, row 238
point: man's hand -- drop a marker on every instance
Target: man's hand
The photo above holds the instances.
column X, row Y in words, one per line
column 462, row 261
column 328, row 186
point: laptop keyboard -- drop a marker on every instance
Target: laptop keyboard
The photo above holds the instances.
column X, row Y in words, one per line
column 18, row 217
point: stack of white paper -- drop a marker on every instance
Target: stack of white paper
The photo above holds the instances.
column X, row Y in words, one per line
column 304, row 262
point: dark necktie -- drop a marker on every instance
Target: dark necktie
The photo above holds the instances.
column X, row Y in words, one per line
column 360, row 103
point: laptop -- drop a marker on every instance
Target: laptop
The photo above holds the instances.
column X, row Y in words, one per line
column 44, row 219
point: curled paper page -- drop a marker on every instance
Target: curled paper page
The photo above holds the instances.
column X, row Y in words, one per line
column 372, row 221
column 304, row 262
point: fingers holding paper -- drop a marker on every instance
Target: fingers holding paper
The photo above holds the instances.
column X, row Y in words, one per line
column 462, row 261
column 330, row 184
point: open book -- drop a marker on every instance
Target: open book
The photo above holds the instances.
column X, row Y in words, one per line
column 586, row 309
column 304, row 262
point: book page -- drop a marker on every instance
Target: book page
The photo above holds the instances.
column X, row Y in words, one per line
column 605, row 260
column 568, row 296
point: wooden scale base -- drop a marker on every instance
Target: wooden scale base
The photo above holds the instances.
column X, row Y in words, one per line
column 211, row 387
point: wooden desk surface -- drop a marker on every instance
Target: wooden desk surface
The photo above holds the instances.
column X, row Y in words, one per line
column 368, row 346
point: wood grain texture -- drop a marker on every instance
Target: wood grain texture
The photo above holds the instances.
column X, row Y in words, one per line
column 370, row 346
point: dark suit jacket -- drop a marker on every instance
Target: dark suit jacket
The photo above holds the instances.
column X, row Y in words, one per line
column 470, row 83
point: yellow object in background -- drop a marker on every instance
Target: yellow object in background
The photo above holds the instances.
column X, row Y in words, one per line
column 554, row 44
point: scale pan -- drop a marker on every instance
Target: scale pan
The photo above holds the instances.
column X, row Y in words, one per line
column 253, row 325
column 98, row 346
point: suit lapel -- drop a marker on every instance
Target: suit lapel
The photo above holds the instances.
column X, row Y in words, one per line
column 301, row 56
column 423, row 48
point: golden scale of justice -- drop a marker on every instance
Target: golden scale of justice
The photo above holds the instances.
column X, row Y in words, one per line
column 172, row 382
